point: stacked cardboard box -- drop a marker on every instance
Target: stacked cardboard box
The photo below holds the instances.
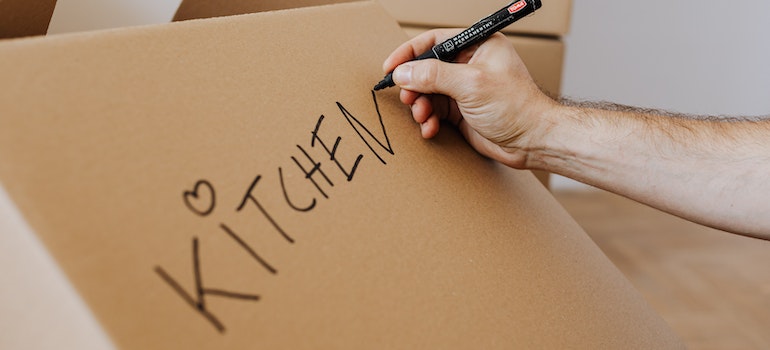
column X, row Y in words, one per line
column 552, row 19
column 19, row 18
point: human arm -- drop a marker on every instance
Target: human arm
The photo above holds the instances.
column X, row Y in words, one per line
column 705, row 170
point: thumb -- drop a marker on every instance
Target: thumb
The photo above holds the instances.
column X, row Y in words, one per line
column 432, row 76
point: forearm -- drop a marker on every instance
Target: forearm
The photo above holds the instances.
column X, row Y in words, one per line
column 714, row 172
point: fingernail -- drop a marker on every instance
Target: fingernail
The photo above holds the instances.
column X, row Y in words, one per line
column 402, row 75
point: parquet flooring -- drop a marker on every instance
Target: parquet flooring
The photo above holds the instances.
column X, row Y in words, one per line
column 712, row 287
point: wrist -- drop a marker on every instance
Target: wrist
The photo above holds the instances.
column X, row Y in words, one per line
column 551, row 141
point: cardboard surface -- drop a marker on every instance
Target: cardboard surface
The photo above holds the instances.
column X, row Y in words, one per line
column 181, row 175
column 195, row 9
column 552, row 19
column 19, row 18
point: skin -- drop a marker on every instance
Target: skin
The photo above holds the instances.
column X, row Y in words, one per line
column 708, row 170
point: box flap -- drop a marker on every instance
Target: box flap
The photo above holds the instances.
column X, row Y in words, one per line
column 552, row 19
column 234, row 183
column 195, row 9
column 19, row 18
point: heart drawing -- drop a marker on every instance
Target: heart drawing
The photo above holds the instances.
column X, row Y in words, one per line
column 201, row 200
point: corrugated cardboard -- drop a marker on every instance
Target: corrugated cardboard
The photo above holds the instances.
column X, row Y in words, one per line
column 194, row 9
column 233, row 183
column 19, row 18
column 551, row 20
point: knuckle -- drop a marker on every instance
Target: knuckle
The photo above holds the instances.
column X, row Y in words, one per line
column 475, row 78
column 428, row 74
column 498, row 36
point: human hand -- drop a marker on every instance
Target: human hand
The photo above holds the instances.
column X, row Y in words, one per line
column 487, row 93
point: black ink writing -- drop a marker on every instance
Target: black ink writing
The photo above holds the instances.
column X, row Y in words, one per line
column 201, row 200
column 199, row 301
column 250, row 197
column 333, row 151
column 195, row 195
column 286, row 195
column 315, row 169
column 348, row 116
column 245, row 246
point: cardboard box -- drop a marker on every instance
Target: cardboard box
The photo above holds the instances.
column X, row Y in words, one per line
column 233, row 183
column 19, row 18
column 195, row 9
column 551, row 20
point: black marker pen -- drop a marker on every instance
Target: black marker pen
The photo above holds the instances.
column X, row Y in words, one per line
column 478, row 32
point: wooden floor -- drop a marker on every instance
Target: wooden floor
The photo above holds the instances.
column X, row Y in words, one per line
column 713, row 288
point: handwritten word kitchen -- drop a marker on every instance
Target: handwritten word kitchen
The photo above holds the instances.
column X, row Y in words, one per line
column 202, row 201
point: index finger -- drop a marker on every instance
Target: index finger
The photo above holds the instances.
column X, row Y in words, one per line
column 416, row 46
